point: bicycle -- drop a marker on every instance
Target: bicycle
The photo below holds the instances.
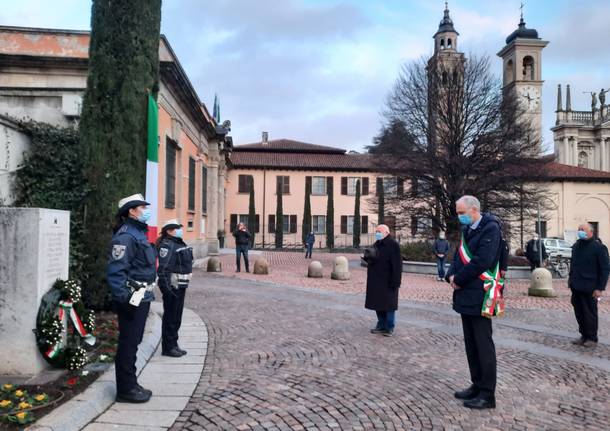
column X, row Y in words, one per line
column 559, row 265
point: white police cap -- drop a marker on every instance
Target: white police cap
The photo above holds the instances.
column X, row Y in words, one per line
column 131, row 202
column 171, row 223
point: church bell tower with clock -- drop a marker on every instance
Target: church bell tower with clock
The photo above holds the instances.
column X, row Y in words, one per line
column 522, row 71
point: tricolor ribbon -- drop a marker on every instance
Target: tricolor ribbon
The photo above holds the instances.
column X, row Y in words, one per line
column 67, row 306
column 493, row 283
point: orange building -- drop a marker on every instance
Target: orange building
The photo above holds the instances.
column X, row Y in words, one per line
column 43, row 75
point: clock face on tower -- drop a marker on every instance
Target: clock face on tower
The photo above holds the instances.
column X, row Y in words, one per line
column 530, row 97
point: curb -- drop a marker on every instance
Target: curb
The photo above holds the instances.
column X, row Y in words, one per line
column 99, row 396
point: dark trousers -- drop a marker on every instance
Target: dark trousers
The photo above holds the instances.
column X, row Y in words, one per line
column 585, row 309
column 534, row 264
column 481, row 353
column 386, row 320
column 440, row 266
column 308, row 250
column 131, row 330
column 173, row 304
column 239, row 250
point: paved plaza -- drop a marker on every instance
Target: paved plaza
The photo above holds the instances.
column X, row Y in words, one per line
column 295, row 355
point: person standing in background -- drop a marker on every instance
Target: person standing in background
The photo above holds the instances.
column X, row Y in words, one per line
column 242, row 244
column 441, row 248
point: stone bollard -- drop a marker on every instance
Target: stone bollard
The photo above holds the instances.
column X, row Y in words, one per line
column 261, row 266
column 541, row 284
column 340, row 269
column 315, row 270
column 214, row 264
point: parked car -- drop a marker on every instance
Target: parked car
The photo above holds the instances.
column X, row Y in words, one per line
column 557, row 247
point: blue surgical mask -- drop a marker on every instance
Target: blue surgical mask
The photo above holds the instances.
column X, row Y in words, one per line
column 465, row 219
column 582, row 234
column 144, row 215
column 378, row 236
column 178, row 233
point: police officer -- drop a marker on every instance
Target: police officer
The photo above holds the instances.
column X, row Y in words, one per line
column 175, row 268
column 131, row 275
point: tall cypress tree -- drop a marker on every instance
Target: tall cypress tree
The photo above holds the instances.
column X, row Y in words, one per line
column 279, row 215
column 306, row 225
column 356, row 227
column 330, row 215
column 123, row 69
column 252, row 214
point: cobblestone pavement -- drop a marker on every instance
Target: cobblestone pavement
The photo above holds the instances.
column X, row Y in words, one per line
column 293, row 358
column 290, row 268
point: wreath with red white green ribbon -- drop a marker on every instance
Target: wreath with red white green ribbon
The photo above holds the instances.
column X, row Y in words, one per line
column 63, row 324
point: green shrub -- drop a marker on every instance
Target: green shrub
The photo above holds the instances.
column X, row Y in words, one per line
column 421, row 251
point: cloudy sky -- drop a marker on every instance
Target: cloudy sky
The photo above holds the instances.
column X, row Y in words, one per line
column 319, row 70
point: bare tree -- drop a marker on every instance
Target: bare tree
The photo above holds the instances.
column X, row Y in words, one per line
column 467, row 136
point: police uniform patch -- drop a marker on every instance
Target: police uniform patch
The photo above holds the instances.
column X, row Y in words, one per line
column 118, row 251
column 163, row 252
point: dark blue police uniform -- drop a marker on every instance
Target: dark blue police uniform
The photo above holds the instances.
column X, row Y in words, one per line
column 132, row 259
column 175, row 268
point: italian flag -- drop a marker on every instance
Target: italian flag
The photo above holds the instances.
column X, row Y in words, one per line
column 152, row 168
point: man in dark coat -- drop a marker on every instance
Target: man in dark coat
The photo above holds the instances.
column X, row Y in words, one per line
column 588, row 278
column 309, row 242
column 533, row 252
column 242, row 244
column 441, row 248
column 482, row 235
column 383, row 277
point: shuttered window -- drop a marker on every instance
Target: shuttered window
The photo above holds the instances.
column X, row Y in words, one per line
column 192, row 165
column 244, row 183
column 170, row 173
column 271, row 223
column 204, row 189
column 282, row 184
column 364, row 225
column 233, row 223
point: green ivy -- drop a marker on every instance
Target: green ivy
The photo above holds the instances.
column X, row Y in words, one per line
column 51, row 176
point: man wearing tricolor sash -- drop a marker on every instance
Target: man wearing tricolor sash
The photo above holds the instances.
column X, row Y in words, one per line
column 475, row 276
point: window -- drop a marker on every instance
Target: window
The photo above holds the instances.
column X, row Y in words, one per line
column 449, row 43
column 192, row 165
column 348, row 185
column 171, row 149
column 347, row 225
column 290, row 224
column 528, row 68
column 390, row 186
column 318, row 185
column 364, row 224
column 244, row 183
column 583, row 159
column 243, row 218
column 420, row 225
column 204, row 189
column 541, row 231
column 442, row 43
column 318, row 224
column 282, row 184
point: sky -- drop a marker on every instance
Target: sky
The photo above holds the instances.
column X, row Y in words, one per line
column 319, row 71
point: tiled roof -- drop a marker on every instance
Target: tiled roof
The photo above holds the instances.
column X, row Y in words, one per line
column 288, row 145
column 556, row 171
column 301, row 161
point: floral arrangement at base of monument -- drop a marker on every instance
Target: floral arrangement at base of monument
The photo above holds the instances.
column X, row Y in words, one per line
column 16, row 404
column 64, row 326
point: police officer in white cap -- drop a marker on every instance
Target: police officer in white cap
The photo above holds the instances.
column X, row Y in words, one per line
column 175, row 268
column 131, row 275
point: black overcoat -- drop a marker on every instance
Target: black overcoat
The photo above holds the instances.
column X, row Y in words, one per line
column 384, row 273
column 589, row 267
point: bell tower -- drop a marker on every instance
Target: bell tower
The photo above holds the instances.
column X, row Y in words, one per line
column 445, row 69
column 522, row 71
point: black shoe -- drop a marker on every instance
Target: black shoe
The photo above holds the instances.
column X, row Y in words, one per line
column 181, row 350
column 578, row 341
column 388, row 333
column 480, row 403
column 136, row 395
column 377, row 330
column 174, row 353
column 467, row 394
column 146, row 391
column 237, row 270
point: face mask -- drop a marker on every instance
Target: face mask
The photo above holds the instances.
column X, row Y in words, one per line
column 465, row 219
column 582, row 234
column 178, row 233
column 378, row 236
column 144, row 215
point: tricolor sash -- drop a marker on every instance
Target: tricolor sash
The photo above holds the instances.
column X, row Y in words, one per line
column 66, row 307
column 493, row 302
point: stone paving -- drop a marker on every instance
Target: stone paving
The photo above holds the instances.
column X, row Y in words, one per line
column 282, row 357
